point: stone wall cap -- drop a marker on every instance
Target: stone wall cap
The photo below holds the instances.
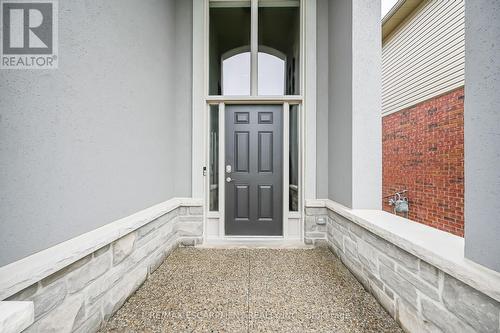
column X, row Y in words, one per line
column 441, row 249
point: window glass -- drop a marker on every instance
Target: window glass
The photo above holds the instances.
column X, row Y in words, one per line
column 279, row 30
column 229, row 33
column 271, row 75
column 214, row 158
column 236, row 75
column 294, row 158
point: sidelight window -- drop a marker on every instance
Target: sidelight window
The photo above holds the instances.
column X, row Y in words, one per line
column 214, row 158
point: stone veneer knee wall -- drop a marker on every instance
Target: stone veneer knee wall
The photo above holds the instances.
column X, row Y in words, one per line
column 83, row 295
column 418, row 295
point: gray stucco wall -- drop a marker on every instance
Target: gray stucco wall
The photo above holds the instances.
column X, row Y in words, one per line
column 322, row 100
column 340, row 102
column 482, row 132
column 367, row 104
column 354, row 102
column 95, row 140
column 183, row 96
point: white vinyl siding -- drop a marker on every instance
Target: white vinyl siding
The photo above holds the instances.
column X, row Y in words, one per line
column 425, row 56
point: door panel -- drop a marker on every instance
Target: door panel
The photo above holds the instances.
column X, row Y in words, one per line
column 266, row 144
column 242, row 151
column 254, row 149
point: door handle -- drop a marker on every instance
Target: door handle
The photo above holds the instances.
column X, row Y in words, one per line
column 229, row 179
column 229, row 169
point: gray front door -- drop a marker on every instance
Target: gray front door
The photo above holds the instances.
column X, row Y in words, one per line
column 253, row 170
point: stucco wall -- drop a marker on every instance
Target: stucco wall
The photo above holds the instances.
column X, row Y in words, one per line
column 322, row 100
column 354, row 103
column 340, row 102
column 183, row 96
column 482, row 132
column 94, row 140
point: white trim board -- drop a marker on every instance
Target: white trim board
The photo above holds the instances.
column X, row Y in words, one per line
column 21, row 274
column 440, row 249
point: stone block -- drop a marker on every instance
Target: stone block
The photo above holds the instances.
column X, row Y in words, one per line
column 196, row 210
column 24, row 294
column 356, row 269
column 408, row 318
column 191, row 241
column 118, row 294
column 66, row 270
column 83, row 276
column 443, row 319
column 80, row 316
column 181, row 211
column 189, row 228
column 368, row 256
column 340, row 220
column 156, row 261
column 419, row 283
column 316, row 235
column 403, row 258
column 388, row 292
column 123, row 247
column 478, row 310
column 339, row 229
column 189, row 218
column 161, row 233
column 336, row 251
column 48, row 298
column 97, row 289
column 375, row 281
column 387, row 262
column 309, row 222
column 329, row 229
column 61, row 319
column 102, row 250
column 188, row 242
column 350, row 248
column 399, row 285
column 144, row 250
column 338, row 241
column 387, row 303
column 146, row 229
column 316, row 211
column 356, row 230
column 429, row 273
column 91, row 325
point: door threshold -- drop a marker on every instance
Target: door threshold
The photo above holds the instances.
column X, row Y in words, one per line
column 254, row 242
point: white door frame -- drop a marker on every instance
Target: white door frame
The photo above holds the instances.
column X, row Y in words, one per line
column 307, row 125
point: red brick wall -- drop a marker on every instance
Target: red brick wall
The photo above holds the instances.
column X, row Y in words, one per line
column 423, row 152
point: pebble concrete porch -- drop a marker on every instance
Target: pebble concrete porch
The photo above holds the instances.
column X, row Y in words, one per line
column 251, row 290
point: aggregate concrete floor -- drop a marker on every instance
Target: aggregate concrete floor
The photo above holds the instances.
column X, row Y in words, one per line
column 251, row 290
